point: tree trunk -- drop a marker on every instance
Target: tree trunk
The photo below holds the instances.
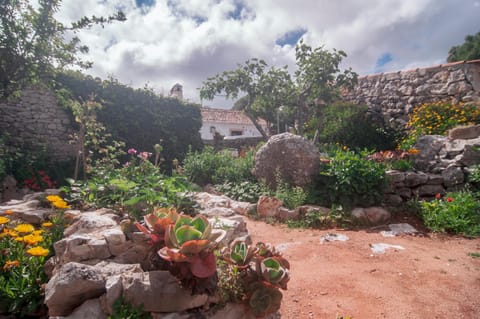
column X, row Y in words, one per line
column 258, row 126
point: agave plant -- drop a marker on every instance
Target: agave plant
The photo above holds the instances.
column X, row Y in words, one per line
column 156, row 224
column 263, row 299
column 239, row 254
column 191, row 241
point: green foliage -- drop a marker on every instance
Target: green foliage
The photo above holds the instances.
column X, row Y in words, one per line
column 135, row 189
column 319, row 220
column 349, row 179
column 469, row 50
column 139, row 117
column 456, row 213
column 474, row 177
column 474, row 255
column 124, row 310
column 211, row 167
column 291, row 196
column 437, row 118
column 34, row 45
column 247, row 191
column 351, row 125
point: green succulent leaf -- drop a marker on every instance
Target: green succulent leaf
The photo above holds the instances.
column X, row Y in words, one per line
column 199, row 223
column 186, row 233
column 182, row 220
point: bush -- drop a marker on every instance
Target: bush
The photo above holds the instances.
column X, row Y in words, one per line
column 352, row 125
column 457, row 213
column 291, row 196
column 247, row 191
column 437, row 118
column 136, row 188
column 211, row 167
column 349, row 179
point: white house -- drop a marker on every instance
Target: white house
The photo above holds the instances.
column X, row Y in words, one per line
column 229, row 123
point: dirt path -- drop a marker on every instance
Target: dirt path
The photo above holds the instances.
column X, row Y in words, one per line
column 433, row 277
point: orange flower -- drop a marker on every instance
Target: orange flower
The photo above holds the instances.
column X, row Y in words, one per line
column 8, row 212
column 47, row 224
column 10, row 264
column 38, row 251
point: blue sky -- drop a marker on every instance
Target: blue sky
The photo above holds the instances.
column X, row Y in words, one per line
column 164, row 42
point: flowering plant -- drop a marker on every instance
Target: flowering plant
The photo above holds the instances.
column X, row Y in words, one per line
column 38, row 181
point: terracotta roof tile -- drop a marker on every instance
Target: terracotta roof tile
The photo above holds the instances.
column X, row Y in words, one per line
column 226, row 116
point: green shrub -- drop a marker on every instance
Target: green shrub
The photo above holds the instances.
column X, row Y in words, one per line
column 211, row 167
column 292, row 196
column 457, row 213
column 349, row 179
column 437, row 118
column 124, row 310
column 136, row 188
column 351, row 125
column 247, row 191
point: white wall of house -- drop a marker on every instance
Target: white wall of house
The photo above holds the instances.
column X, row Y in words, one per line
column 228, row 130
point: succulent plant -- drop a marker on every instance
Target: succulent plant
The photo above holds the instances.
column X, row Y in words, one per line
column 156, row 224
column 275, row 271
column 239, row 253
column 191, row 240
column 263, row 299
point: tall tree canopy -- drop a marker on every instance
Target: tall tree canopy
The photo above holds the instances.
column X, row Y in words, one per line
column 469, row 50
column 33, row 44
column 316, row 82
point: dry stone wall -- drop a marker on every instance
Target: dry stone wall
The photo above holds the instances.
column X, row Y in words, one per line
column 394, row 95
column 35, row 120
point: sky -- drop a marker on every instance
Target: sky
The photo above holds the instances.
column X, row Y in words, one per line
column 164, row 42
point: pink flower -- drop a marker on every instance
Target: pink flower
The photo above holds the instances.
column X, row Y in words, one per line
column 144, row 155
column 132, row 151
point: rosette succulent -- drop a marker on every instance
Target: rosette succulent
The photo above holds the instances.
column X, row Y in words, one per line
column 156, row 224
column 239, row 254
column 191, row 240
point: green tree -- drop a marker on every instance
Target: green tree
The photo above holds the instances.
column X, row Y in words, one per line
column 317, row 82
column 34, row 45
column 469, row 50
column 265, row 89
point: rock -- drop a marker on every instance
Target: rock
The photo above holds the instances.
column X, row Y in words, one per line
column 268, row 206
column 159, row 291
column 394, row 199
column 453, row 175
column 72, row 285
column 114, row 288
column 371, row 215
column 471, row 155
column 381, row 248
column 286, row 214
column 395, row 177
column 333, row 237
column 293, row 157
column 27, row 211
column 414, row 179
column 464, row 132
column 428, row 147
column 234, row 227
column 306, row 209
column 429, row 190
column 98, row 220
column 232, row 311
column 89, row 309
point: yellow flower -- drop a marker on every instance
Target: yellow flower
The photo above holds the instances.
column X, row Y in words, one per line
column 61, row 204
column 24, row 228
column 32, row 239
column 38, row 232
column 47, row 224
column 54, row 198
column 19, row 239
column 12, row 233
column 10, row 264
column 38, row 251
column 4, row 220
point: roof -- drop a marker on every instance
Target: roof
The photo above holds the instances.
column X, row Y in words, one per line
column 226, row 116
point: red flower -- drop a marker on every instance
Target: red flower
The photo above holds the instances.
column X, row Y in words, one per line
column 438, row 196
column 449, row 199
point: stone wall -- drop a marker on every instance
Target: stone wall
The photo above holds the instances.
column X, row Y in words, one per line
column 36, row 120
column 395, row 94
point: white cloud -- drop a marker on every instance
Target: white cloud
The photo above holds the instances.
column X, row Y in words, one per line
column 187, row 41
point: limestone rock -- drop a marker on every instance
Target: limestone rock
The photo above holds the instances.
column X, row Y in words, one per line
column 453, row 175
column 415, row 179
column 159, row 291
column 286, row 214
column 371, row 215
column 72, row 285
column 471, row 155
column 465, row 132
column 268, row 206
column 89, row 309
column 293, row 157
column 97, row 220
column 232, row 311
column 428, row 146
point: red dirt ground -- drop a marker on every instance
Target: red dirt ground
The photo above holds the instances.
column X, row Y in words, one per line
column 434, row 277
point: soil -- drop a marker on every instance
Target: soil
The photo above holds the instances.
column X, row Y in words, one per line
column 433, row 277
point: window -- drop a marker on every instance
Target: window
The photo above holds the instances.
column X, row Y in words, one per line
column 236, row 132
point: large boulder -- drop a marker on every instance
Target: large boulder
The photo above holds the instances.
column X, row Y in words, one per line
column 293, row 157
